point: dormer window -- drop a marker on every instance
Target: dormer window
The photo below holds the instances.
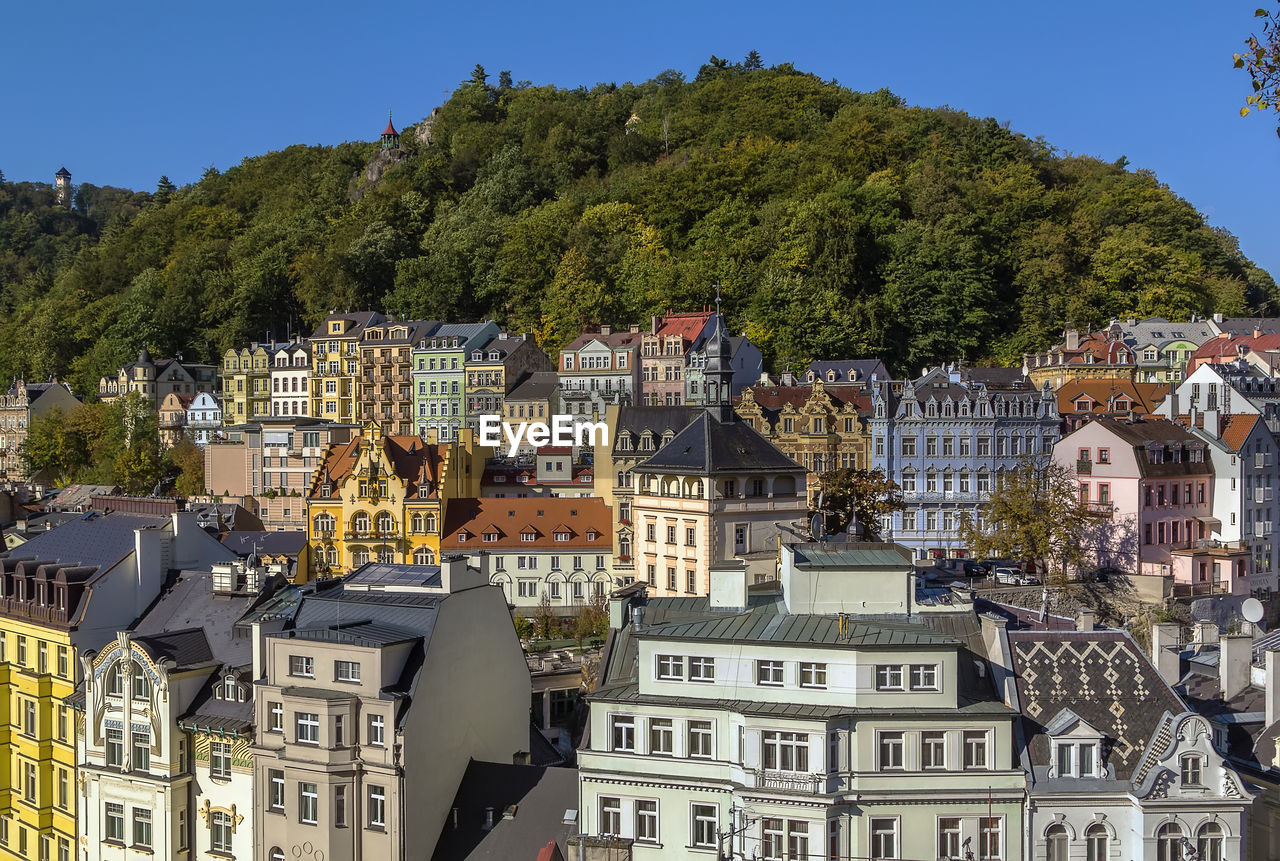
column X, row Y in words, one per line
column 1192, row 768
column 560, row 536
column 528, row 536
column 491, row 537
column 462, row 537
column 1076, row 759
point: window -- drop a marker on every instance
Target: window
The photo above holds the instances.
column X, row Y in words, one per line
column 142, row 827
column 141, row 688
column 990, row 839
column 346, row 671
column 671, row 535
column 948, row 837
column 924, row 677
column 702, row 669
column 308, row 804
column 1097, row 842
column 890, row 750
column 884, row 838
column 624, row 733
column 813, row 675
column 220, row 759
column 933, row 749
column 275, row 717
column 64, row 789
column 671, row 667
column 141, row 750
column 1209, row 842
column 115, row 747
column 660, row 736
column 700, row 739
column 377, row 807
column 307, row 726
column 772, row 835
column 647, row 821
column 786, row 751
column 797, row 839
column 888, row 677
column 376, row 726
column 275, row 777
column 703, row 833
column 1055, row 838
column 115, row 822
column 975, row 749
column 220, row 831
column 115, row 684
column 769, row 673
column 302, row 665
column 1191, row 766
column 610, row 816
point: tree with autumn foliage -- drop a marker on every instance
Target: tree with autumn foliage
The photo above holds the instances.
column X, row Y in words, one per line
column 1262, row 60
column 1034, row 514
column 862, row 494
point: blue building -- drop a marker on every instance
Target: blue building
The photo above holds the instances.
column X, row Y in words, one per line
column 946, row 438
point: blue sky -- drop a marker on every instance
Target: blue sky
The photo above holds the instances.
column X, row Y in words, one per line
column 122, row 93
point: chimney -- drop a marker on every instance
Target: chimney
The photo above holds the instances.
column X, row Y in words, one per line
column 1212, row 426
column 606, row 330
column 1272, row 659
column 1084, row 622
column 488, row 819
column 1217, row 318
column 1257, row 333
column 1204, row 633
column 1073, row 339
column 1235, row 658
column 1165, row 650
column 637, row 618
column 655, row 320
column 729, row 584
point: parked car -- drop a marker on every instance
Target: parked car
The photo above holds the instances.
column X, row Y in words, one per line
column 1013, row 577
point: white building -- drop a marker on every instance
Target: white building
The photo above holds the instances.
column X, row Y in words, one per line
column 204, row 417
column 842, row 717
column 290, row 375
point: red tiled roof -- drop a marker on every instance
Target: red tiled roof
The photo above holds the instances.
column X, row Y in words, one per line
column 581, row 515
column 687, row 326
column 1227, row 346
column 390, row 129
column 412, row 460
column 1145, row 396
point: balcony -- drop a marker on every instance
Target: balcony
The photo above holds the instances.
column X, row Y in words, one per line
column 787, row 781
column 371, row 535
column 1084, row 467
column 1102, row 509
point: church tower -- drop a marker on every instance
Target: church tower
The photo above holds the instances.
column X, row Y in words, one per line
column 62, row 182
column 390, row 137
column 719, row 370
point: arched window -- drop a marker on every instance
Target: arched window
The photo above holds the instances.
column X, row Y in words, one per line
column 360, row 522
column 141, row 687
column 695, row 490
column 276, row 854
column 115, row 683
column 386, row 555
column 431, row 523
column 359, row 557
column 424, row 556
column 1097, row 842
column 416, row 523
column 331, row 555
column 1209, row 842
column 1169, row 842
column 229, row 687
column 1056, row 843
column 386, row 523
column 323, row 523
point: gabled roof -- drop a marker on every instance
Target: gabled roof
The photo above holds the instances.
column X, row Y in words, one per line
column 636, row 419
column 1145, row 396
column 1103, row 678
column 360, row 319
column 688, row 326
column 412, row 460
column 709, row 447
column 512, row 518
column 540, row 385
column 187, row 648
column 616, row 340
column 863, row 368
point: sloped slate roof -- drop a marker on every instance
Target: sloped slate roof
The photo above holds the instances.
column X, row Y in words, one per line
column 187, row 648
column 769, row 625
column 707, row 447
column 189, row 604
column 244, row 542
column 102, row 539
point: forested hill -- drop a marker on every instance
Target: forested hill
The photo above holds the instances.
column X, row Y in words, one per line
column 838, row 224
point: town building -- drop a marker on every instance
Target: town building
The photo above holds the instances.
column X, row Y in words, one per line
column 1156, row 479
column 246, row 382
column 598, row 369
column 946, row 439
column 495, row 368
column 717, row 490
column 508, row 810
column 558, row 550
column 268, row 466
column 1096, row 356
column 1243, row 325
column 204, row 419
column 267, row 552
column 440, row 376
column 664, row 355
column 1117, row 765
column 381, row 498
column 1257, row 348
column 18, row 407
column 171, row 423
column 636, row 432
column 1083, row 400
column 358, row 752
column 166, row 711
column 156, row 379
column 1231, row 388
column 335, row 365
column 820, row 426
column 386, row 373
column 535, row 398
column 744, row 357
column 860, row 371
column 291, row 379
column 832, row 713
column 549, row 471
column 67, row 591
column 1163, row 348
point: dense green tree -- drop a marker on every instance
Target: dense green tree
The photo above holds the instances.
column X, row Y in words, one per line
column 864, row 495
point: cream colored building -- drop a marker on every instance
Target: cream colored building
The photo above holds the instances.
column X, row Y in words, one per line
column 363, row 731
column 838, row 715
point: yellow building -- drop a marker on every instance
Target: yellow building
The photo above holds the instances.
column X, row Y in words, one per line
column 246, row 384
column 381, row 498
column 335, row 364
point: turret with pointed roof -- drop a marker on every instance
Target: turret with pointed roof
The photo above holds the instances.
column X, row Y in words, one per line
column 390, row 137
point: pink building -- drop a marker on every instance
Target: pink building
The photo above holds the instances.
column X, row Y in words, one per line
column 1156, row 478
column 664, row 355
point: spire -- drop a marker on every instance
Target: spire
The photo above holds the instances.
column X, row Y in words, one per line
column 719, row 370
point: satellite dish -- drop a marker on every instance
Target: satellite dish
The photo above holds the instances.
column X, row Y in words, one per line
column 818, row 528
column 1252, row 610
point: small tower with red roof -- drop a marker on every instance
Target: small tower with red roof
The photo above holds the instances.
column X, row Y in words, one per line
column 390, row 137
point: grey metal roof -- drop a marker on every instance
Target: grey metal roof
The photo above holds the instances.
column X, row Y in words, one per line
column 656, row 419
column 838, row 554
column 536, row 386
column 243, row 542
column 94, row 539
column 864, row 368
column 187, row 648
column 208, row 713
column 769, row 625
column 361, row 633
column 386, row 574
column 189, row 603
column 708, row 446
